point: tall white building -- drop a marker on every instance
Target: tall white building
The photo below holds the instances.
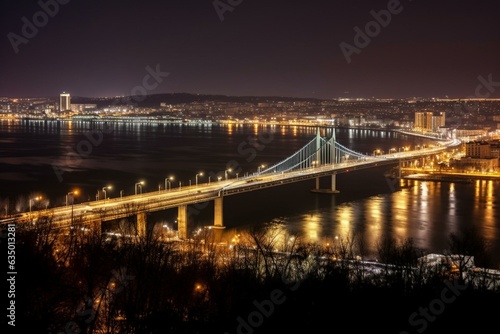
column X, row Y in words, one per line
column 64, row 101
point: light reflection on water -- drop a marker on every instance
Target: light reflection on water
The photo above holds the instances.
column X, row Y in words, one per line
column 426, row 212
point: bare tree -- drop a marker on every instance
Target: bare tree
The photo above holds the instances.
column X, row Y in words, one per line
column 464, row 248
column 400, row 261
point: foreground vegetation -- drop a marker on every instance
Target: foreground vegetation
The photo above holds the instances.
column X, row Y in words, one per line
column 266, row 281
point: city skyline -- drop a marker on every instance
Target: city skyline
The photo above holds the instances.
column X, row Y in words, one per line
column 381, row 49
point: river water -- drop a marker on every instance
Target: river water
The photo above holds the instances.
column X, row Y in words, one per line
column 51, row 159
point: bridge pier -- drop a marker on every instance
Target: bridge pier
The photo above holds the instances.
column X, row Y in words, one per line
column 218, row 212
column 332, row 190
column 182, row 221
column 182, row 218
column 141, row 224
column 334, row 184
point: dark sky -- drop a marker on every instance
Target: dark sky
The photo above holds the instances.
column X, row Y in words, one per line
column 430, row 48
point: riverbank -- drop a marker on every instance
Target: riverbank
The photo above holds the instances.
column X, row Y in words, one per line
column 450, row 177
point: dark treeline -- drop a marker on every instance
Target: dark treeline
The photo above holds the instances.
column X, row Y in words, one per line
column 266, row 281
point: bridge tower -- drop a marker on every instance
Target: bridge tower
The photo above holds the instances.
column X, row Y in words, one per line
column 318, row 148
column 330, row 158
column 333, row 151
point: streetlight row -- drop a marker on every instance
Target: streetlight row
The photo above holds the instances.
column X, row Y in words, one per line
column 168, row 183
column 138, row 186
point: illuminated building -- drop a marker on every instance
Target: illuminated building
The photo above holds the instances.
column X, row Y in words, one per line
column 64, row 101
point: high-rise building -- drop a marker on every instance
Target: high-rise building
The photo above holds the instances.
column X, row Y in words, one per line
column 64, row 101
column 423, row 120
column 429, row 121
column 438, row 120
column 419, row 120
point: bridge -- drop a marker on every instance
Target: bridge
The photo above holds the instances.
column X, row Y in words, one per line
column 320, row 157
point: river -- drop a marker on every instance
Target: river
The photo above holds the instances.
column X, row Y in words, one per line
column 51, row 159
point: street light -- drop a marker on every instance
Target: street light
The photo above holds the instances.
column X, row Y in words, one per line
column 138, row 184
column 227, row 170
column 72, row 193
column 167, row 182
column 199, row 174
column 259, row 169
column 104, row 190
column 75, row 192
column 34, row 199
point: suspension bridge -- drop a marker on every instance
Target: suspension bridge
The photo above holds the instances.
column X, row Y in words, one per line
column 320, row 157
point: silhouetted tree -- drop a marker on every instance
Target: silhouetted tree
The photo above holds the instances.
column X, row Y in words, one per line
column 465, row 249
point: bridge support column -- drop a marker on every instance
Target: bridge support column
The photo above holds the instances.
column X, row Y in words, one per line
column 141, row 224
column 332, row 190
column 182, row 221
column 334, row 184
column 218, row 213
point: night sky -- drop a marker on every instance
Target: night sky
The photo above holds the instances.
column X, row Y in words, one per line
column 92, row 48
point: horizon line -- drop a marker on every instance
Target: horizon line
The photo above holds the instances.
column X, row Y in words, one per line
column 267, row 96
